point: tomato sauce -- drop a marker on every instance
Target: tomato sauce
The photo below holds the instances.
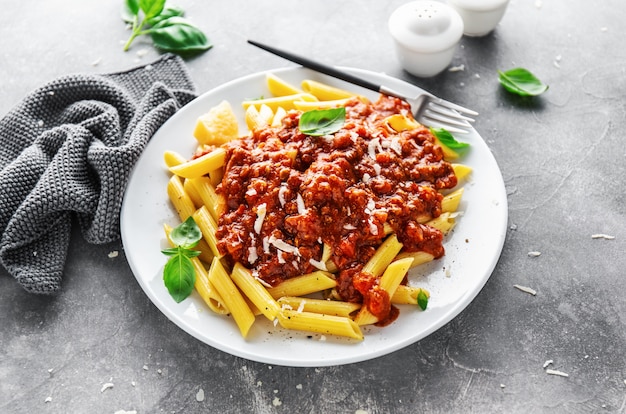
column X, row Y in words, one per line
column 288, row 194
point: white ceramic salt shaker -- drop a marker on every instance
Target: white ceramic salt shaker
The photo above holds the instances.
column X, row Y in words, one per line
column 425, row 34
column 480, row 17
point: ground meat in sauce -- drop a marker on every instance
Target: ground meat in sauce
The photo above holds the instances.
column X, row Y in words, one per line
column 288, row 194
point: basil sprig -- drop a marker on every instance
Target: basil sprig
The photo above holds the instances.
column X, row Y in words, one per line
column 446, row 138
column 169, row 30
column 522, row 82
column 179, row 275
column 321, row 122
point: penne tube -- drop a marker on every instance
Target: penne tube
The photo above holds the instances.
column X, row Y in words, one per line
column 173, row 158
column 287, row 101
column 419, row 258
column 207, row 292
column 181, row 201
column 389, row 282
column 450, row 202
column 444, row 223
column 327, row 307
column 216, row 176
column 384, row 255
column 192, row 193
column 280, row 87
column 461, row 171
column 277, row 120
column 303, row 285
column 206, row 192
column 407, row 295
column 319, row 323
column 202, row 165
column 233, row 299
column 305, row 106
column 257, row 118
column 208, row 227
column 324, row 92
column 255, row 291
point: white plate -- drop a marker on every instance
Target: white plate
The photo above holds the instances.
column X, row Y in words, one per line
column 472, row 250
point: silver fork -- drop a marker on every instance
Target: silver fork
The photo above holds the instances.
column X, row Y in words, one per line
column 428, row 109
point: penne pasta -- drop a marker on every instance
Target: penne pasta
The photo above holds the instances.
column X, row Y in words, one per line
column 279, row 87
column 419, row 258
column 257, row 118
column 389, row 282
column 407, row 295
column 304, row 285
column 208, row 227
column 286, row 102
column 383, row 257
column 206, row 193
column 319, row 323
column 444, row 223
column 179, row 198
column 325, row 92
column 255, row 291
column 202, row 165
column 450, row 202
column 309, row 106
column 327, row 307
column 173, row 158
column 233, row 299
column 461, row 171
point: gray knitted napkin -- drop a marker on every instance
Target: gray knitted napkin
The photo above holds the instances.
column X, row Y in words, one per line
column 67, row 151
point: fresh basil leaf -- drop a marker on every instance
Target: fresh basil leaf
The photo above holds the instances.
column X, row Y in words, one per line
column 187, row 234
column 321, row 122
column 522, row 82
column 168, row 11
column 191, row 253
column 130, row 10
column 422, row 300
column 171, row 251
column 151, row 8
column 179, row 277
column 446, row 138
column 178, row 34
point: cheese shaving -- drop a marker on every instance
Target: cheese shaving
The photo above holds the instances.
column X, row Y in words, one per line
column 526, row 289
column 602, row 236
column 557, row 373
column 281, row 245
column 300, row 203
column 318, row 264
column 261, row 210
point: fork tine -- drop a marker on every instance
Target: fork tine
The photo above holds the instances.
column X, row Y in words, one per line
column 448, row 112
column 452, row 105
column 444, row 118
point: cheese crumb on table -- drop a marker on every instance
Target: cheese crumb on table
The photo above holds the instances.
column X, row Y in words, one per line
column 557, row 373
column 526, row 289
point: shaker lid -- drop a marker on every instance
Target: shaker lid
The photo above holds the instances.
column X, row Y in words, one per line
column 426, row 26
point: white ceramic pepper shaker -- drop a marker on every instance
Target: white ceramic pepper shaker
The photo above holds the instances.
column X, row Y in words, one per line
column 480, row 17
column 425, row 34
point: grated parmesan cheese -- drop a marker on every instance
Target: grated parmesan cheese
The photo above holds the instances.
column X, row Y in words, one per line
column 252, row 254
column 547, row 363
column 261, row 210
column 318, row 264
column 526, row 289
column 557, row 373
column 281, row 245
column 300, row 203
column 602, row 236
column 534, row 254
column 281, row 194
column 106, row 386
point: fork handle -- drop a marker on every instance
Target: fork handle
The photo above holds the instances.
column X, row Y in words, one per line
column 325, row 69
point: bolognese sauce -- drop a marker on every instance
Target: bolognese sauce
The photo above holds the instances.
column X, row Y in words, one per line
column 288, row 194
